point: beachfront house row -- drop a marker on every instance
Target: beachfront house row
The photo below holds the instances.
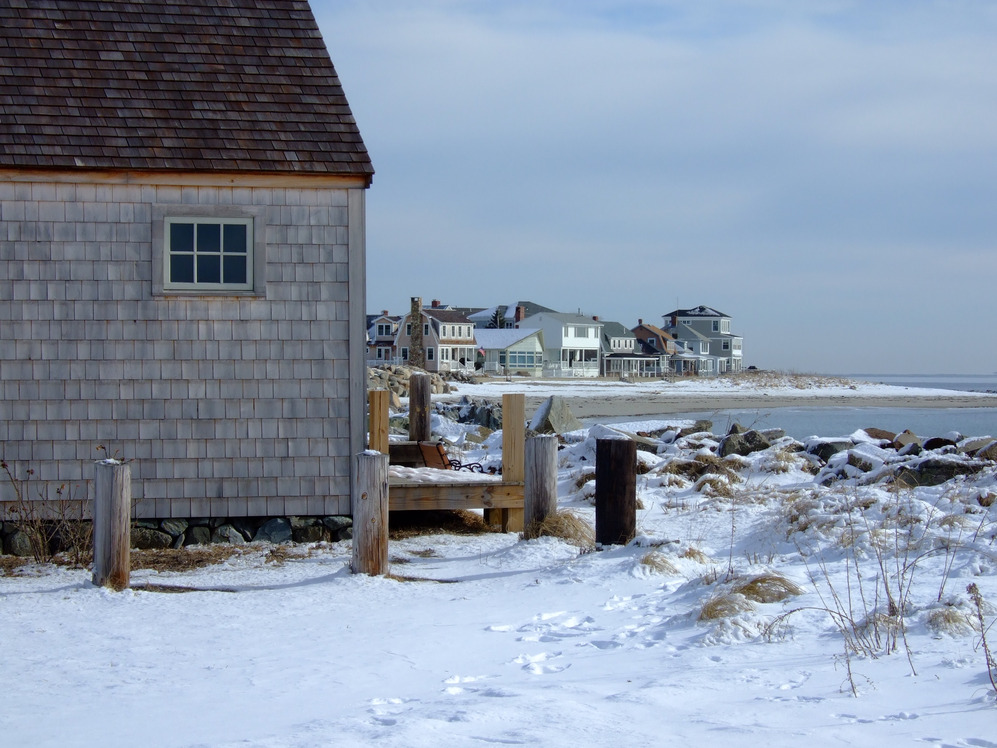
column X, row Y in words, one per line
column 510, row 350
column 571, row 343
column 705, row 323
column 182, row 190
column 448, row 340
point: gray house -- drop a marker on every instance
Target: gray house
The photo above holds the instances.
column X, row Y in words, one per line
column 182, row 276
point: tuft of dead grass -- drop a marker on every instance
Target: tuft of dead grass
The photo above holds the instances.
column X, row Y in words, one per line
column 724, row 606
column 715, row 485
column 658, row 563
column 950, row 620
column 694, row 554
column 565, row 525
column 767, row 588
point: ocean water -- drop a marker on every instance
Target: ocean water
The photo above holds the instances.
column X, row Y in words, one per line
column 831, row 421
column 960, row 382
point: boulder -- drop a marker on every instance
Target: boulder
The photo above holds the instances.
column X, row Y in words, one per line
column 17, row 543
column 554, row 417
column 988, row 452
column 742, row 443
column 825, row 449
column 276, row 530
column 905, row 439
column 147, row 539
column 227, row 534
column 699, row 427
column 935, row 471
column 879, row 434
column 197, row 535
column 311, row 533
column 938, row 442
column 175, row 527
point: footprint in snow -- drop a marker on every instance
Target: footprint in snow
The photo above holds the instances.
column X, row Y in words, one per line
column 538, row 663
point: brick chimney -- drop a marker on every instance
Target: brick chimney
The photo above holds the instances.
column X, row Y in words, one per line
column 435, row 303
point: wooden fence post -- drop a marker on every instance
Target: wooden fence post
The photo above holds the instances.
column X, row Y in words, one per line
column 378, row 420
column 112, row 512
column 513, row 447
column 615, row 491
column 370, row 514
column 419, row 391
column 540, row 483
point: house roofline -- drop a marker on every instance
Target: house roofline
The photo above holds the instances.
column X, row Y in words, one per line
column 186, row 178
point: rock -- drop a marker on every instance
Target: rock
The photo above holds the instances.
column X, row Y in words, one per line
column 935, row 471
column 313, row 533
column 825, row 449
column 227, row 534
column 276, row 530
column 880, row 434
column 938, row 442
column 197, row 535
column 17, row 544
column 742, row 443
column 773, row 434
column 905, row 439
column 174, row 527
column 554, row 417
column 736, row 428
column 337, row 522
column 988, row 452
column 147, row 539
column 973, row 446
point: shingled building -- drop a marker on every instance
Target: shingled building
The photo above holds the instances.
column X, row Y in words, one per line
column 182, row 278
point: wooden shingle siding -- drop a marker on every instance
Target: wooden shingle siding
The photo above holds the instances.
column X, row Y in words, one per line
column 229, row 406
column 230, row 85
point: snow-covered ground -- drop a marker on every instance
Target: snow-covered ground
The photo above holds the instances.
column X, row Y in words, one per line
column 677, row 638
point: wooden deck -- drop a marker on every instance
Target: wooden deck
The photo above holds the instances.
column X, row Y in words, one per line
column 502, row 500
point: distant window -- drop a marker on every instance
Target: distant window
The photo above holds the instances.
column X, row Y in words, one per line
column 383, row 329
column 716, row 325
column 430, row 354
column 404, row 354
column 726, row 345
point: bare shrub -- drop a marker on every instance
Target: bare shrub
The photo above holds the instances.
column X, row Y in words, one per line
column 978, row 604
column 694, row 554
column 951, row 620
column 715, row 485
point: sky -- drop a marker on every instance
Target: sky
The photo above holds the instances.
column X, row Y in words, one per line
column 823, row 172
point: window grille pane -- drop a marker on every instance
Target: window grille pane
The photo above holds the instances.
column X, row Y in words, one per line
column 209, row 239
column 182, row 268
column 235, row 238
column 209, row 268
column 182, row 237
column 235, row 269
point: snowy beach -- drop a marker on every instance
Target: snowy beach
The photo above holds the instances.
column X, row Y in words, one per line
column 774, row 598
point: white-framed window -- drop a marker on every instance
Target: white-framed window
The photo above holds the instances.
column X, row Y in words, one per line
column 383, row 329
column 716, row 325
column 404, row 354
column 204, row 249
column 726, row 345
column 430, row 354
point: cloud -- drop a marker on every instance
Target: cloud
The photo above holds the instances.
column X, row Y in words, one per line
column 608, row 155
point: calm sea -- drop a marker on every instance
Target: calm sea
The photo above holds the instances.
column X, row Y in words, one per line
column 804, row 422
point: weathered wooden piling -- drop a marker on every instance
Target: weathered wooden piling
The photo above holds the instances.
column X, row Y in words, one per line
column 615, row 491
column 419, row 392
column 112, row 524
column 513, row 457
column 370, row 514
column 540, row 483
column 379, row 401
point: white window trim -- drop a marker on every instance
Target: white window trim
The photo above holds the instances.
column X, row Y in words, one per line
column 257, row 262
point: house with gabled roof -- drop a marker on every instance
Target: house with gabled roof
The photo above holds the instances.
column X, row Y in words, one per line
column 448, row 339
column 510, row 350
column 571, row 343
column 621, row 356
column 703, row 323
column 182, row 243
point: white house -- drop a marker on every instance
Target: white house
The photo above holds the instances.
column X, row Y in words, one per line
column 571, row 343
column 511, row 350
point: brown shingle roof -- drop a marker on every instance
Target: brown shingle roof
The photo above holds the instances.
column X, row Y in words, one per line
column 192, row 85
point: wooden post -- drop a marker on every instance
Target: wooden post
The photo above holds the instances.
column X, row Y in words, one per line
column 513, row 458
column 370, row 514
column 615, row 491
column 419, row 428
column 378, row 420
column 112, row 525
column 540, row 483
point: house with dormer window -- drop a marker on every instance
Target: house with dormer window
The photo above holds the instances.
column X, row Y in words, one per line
column 182, row 243
column 571, row 343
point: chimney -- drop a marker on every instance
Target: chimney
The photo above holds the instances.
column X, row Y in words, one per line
column 595, row 317
column 417, row 350
column 640, row 322
column 435, row 303
column 384, row 312
column 520, row 314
